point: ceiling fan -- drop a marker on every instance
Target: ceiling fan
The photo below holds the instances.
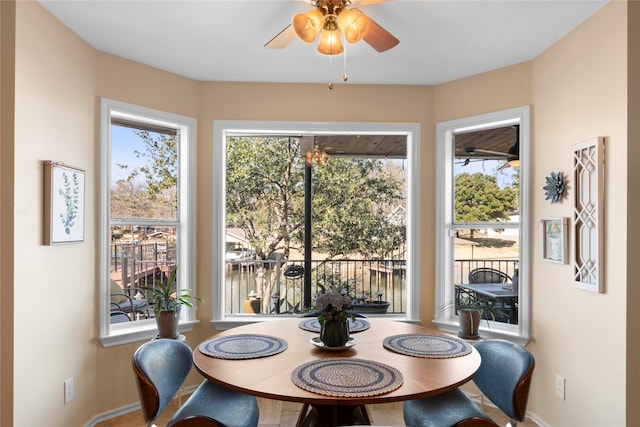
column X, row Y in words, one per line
column 501, row 143
column 472, row 151
column 329, row 19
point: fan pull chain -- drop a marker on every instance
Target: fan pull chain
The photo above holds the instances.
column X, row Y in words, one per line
column 345, row 77
column 344, row 65
column 330, row 71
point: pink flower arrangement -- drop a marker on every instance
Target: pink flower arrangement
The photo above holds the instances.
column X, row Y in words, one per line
column 333, row 305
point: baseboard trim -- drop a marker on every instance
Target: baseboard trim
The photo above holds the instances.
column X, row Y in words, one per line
column 486, row 402
column 105, row 416
column 127, row 409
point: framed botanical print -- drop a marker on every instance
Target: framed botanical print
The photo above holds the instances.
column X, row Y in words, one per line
column 63, row 203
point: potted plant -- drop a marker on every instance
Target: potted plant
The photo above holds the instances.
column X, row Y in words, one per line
column 471, row 310
column 333, row 306
column 361, row 304
column 364, row 305
column 167, row 303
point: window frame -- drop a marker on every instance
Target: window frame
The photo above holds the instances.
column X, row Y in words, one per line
column 446, row 320
column 117, row 334
column 224, row 128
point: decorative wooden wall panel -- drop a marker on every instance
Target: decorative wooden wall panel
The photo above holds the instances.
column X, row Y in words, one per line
column 588, row 219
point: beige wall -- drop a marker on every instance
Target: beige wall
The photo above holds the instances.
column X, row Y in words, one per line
column 579, row 92
column 497, row 90
column 54, row 286
column 576, row 89
column 633, row 210
column 7, row 107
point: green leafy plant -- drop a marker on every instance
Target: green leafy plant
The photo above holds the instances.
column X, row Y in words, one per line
column 164, row 298
column 70, row 194
column 470, row 302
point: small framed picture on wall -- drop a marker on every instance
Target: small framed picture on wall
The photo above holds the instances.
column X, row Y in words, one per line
column 63, row 204
column 554, row 240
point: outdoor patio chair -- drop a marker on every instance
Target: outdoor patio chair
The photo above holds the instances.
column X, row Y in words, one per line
column 117, row 315
column 124, row 300
column 504, row 378
column 160, row 368
column 488, row 275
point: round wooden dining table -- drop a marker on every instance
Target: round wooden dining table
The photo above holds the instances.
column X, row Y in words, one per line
column 271, row 377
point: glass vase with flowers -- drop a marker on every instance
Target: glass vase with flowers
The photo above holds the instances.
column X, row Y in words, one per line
column 333, row 306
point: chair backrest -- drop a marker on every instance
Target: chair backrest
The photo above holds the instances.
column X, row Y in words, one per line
column 488, row 275
column 160, row 368
column 504, row 376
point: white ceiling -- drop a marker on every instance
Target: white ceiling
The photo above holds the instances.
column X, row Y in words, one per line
column 218, row 40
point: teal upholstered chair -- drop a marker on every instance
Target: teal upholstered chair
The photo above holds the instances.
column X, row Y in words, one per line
column 504, row 377
column 160, row 368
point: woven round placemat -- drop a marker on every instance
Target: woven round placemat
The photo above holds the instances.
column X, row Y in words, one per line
column 356, row 325
column 346, row 377
column 243, row 346
column 433, row 346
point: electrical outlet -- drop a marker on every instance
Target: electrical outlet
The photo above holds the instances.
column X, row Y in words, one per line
column 68, row 390
column 560, row 383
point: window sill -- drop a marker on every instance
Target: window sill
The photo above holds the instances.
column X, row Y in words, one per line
column 452, row 327
column 144, row 332
column 240, row 320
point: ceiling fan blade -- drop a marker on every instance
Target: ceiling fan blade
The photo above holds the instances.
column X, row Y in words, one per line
column 503, row 166
column 471, row 151
column 282, row 39
column 497, row 153
column 379, row 38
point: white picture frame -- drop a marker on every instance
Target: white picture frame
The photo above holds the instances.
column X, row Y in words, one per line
column 555, row 240
column 63, row 203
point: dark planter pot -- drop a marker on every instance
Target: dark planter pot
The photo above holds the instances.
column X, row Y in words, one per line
column 334, row 333
column 376, row 307
column 167, row 321
column 469, row 323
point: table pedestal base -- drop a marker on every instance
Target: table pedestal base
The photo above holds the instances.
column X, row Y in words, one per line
column 327, row 415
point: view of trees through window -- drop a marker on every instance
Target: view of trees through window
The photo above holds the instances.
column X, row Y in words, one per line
column 358, row 225
column 143, row 220
column 486, row 190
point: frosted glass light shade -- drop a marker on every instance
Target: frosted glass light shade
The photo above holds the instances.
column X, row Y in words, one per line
column 330, row 43
column 353, row 24
column 307, row 25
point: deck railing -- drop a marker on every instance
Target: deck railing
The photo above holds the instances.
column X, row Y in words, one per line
column 279, row 284
column 464, row 266
column 276, row 287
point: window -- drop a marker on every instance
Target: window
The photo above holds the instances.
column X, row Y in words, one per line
column 482, row 220
column 230, row 245
column 147, row 215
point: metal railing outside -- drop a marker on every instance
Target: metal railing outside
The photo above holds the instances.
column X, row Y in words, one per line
column 279, row 292
column 463, row 267
column 134, row 265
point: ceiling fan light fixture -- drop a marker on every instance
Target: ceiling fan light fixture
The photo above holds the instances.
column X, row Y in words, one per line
column 330, row 43
column 514, row 153
column 317, row 156
column 353, row 24
column 308, row 25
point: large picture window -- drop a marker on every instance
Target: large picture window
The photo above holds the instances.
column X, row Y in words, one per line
column 146, row 182
column 358, row 201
